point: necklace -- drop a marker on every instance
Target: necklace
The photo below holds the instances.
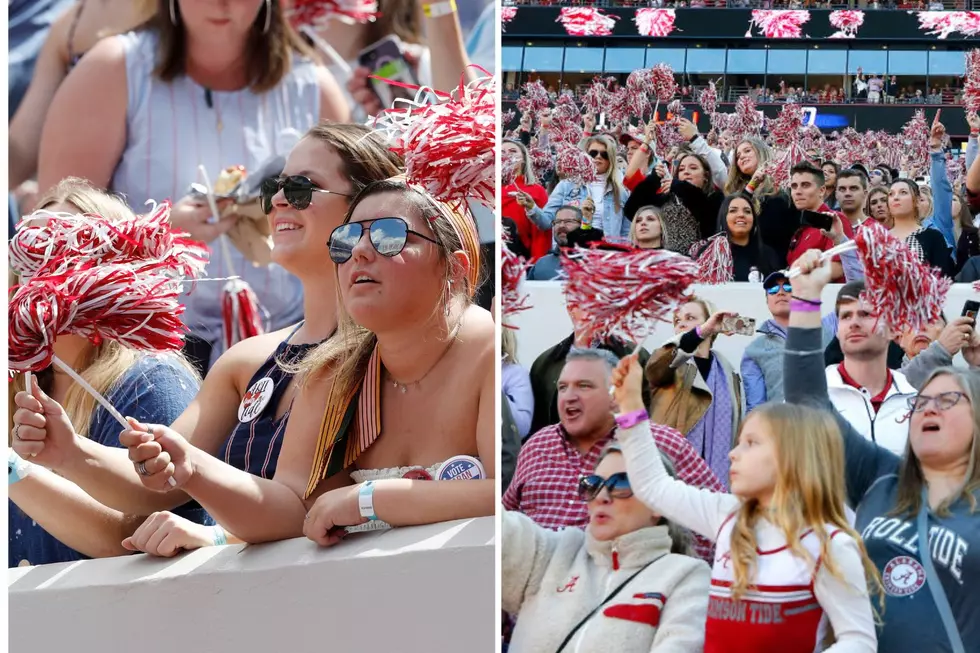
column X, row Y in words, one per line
column 403, row 387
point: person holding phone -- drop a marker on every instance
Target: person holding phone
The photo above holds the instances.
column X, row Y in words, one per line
column 807, row 192
column 520, row 197
column 695, row 389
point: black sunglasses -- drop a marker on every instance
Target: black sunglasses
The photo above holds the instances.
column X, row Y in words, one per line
column 594, row 153
column 298, row 191
column 388, row 235
column 618, row 485
column 785, row 287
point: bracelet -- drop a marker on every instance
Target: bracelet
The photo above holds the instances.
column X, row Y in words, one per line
column 697, row 332
column 974, row 133
column 806, row 301
column 645, row 148
column 17, row 468
column 220, row 538
column 799, row 306
column 629, row 420
column 365, row 501
column 750, row 188
column 439, row 9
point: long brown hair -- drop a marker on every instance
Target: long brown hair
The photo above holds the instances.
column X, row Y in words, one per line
column 403, row 18
column 708, row 182
column 809, row 493
column 910, row 477
column 364, row 155
column 269, row 54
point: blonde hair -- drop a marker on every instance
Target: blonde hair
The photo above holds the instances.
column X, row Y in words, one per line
column 527, row 166
column 656, row 210
column 809, row 493
column 612, row 175
column 101, row 366
column 508, row 344
column 738, row 180
column 349, row 351
column 910, row 478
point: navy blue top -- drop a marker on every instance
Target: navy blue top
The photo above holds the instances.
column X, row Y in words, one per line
column 254, row 446
column 155, row 390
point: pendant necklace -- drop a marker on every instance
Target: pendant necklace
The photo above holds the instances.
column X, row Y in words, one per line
column 403, row 387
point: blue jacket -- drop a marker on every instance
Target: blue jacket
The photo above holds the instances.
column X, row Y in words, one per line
column 566, row 193
column 942, row 201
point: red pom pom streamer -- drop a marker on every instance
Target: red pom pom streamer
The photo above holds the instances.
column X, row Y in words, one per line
column 566, row 121
column 137, row 307
column 510, row 165
column 449, row 148
column 715, row 264
column 45, row 237
column 914, row 145
column 657, row 23
column 317, row 13
column 507, row 14
column 586, row 21
column 574, row 165
column 596, row 97
column 708, row 99
column 847, row 22
column 512, row 272
column 534, row 98
column 971, row 85
column 240, row 312
column 778, row 23
column 901, row 289
column 945, row 23
column 542, row 160
column 623, row 292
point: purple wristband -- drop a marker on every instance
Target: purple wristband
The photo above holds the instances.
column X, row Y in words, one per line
column 800, row 306
column 629, row 420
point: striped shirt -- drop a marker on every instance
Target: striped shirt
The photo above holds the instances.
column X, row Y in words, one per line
column 549, row 466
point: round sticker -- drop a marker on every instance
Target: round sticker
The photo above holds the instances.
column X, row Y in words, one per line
column 461, row 468
column 903, row 576
column 255, row 400
column 417, row 475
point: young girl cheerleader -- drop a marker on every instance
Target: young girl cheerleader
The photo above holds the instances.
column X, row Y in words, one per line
column 786, row 561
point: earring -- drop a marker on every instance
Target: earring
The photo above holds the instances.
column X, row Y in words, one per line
column 449, row 296
column 173, row 12
column 268, row 16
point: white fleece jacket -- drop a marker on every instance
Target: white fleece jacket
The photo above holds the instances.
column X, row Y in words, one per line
column 551, row 580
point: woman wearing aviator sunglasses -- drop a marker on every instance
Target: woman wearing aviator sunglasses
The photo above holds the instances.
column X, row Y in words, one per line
column 248, row 393
column 608, row 195
column 625, row 584
column 399, row 399
column 925, row 500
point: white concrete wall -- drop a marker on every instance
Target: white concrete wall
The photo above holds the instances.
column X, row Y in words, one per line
column 426, row 588
column 547, row 322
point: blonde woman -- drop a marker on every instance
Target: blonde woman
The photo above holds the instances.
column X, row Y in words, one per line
column 787, row 564
column 607, row 196
column 403, row 393
column 647, row 230
column 778, row 219
column 695, row 389
column 626, row 583
column 243, row 407
column 904, row 205
column 516, row 383
column 50, row 518
column 518, row 199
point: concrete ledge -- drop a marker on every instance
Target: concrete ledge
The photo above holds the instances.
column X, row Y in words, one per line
column 425, row 588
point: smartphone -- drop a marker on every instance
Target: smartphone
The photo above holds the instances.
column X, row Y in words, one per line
column 742, row 326
column 818, row 220
column 386, row 59
column 971, row 309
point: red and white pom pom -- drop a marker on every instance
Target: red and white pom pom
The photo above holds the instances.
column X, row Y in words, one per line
column 715, row 264
column 137, row 307
column 902, row 290
column 449, row 148
column 971, row 85
column 708, row 99
column 675, row 108
column 586, row 21
column 663, row 86
column 507, row 14
column 542, row 160
column 45, row 237
column 241, row 313
column 624, row 291
column 848, row 22
column 510, row 165
column 566, row 121
column 747, row 121
column 778, row 23
column 946, row 23
column 596, row 96
column 657, row 23
column 915, row 159
column 534, row 98
column 513, row 270
column 317, row 13
column 574, row 165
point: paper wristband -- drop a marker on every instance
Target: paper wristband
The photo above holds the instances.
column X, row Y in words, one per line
column 220, row 538
column 365, row 501
column 439, row 9
column 17, row 468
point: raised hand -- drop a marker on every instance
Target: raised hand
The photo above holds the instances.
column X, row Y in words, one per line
column 42, row 432
column 627, row 383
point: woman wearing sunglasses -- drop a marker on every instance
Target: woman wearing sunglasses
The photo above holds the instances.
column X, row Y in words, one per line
column 925, row 500
column 624, row 584
column 608, row 194
column 403, row 394
column 248, row 393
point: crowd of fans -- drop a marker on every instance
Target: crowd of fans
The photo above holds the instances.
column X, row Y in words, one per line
column 609, row 499
column 917, row 5
column 277, row 435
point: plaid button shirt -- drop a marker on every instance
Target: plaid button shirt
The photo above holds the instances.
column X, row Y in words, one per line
column 545, row 484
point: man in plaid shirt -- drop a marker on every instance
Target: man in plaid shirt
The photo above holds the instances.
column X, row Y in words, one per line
column 551, row 462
